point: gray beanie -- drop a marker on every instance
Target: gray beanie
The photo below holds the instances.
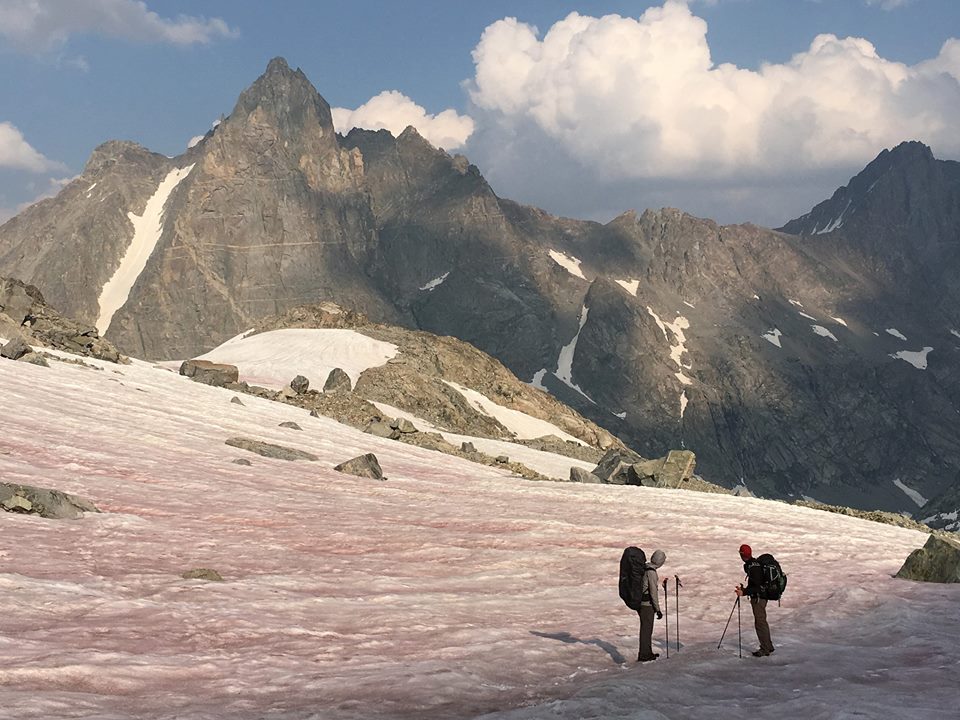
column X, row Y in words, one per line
column 658, row 558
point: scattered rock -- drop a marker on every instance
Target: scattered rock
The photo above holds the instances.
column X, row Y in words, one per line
column 202, row 574
column 403, row 425
column 937, row 561
column 337, row 381
column 467, row 447
column 269, row 450
column 210, row 373
column 382, row 429
column 290, row 424
column 503, row 459
column 299, row 384
column 315, row 413
column 614, row 466
column 362, row 466
column 51, row 504
column 236, row 401
column 579, row 475
column 15, row 349
column 242, row 461
column 35, row 358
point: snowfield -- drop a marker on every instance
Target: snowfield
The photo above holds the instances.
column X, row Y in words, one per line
column 449, row 590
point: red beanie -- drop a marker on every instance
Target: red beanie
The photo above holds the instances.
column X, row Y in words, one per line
column 746, row 551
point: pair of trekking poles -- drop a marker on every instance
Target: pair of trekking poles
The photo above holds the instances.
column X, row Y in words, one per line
column 666, row 608
column 736, row 606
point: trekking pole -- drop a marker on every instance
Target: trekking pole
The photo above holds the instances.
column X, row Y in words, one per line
column 739, row 634
column 676, row 597
column 666, row 614
column 735, row 602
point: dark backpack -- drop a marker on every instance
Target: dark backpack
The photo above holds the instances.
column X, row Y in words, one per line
column 633, row 569
column 774, row 580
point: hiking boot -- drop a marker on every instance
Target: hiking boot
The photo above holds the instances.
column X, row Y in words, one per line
column 762, row 652
column 648, row 658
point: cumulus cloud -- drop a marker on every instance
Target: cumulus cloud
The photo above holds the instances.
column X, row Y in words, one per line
column 16, row 152
column 638, row 103
column 394, row 111
column 31, row 26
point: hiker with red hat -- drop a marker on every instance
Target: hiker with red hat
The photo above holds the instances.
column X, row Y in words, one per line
column 755, row 590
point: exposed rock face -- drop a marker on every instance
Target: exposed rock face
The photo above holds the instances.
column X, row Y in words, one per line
column 269, row 449
column 210, row 373
column 44, row 502
column 937, row 561
column 767, row 353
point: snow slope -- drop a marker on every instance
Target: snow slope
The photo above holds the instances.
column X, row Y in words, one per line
column 447, row 591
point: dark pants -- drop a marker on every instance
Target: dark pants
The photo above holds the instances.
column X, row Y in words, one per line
column 760, row 623
column 646, row 632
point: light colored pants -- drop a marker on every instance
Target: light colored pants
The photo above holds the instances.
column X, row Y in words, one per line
column 760, row 623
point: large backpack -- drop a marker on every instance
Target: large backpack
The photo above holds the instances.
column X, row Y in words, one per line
column 633, row 570
column 774, row 580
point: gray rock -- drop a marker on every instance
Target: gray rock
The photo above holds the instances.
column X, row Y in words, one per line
column 210, row 373
column 241, row 461
column 502, row 459
column 46, row 503
column 337, row 381
column 269, row 450
column 467, row 447
column 299, row 384
column 290, row 424
column 15, row 349
column 362, row 466
column 315, row 413
column 382, row 429
column 937, row 561
column 35, row 358
column 403, row 425
column 236, row 401
column 614, row 466
column 202, row 574
column 579, row 475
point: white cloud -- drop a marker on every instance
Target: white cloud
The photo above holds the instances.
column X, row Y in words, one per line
column 394, row 111
column 16, row 152
column 889, row 4
column 637, row 102
column 30, row 26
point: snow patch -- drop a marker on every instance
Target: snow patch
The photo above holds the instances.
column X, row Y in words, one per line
column 435, row 282
column 896, row 333
column 537, row 381
column 679, row 347
column 564, row 370
column 683, row 403
column 796, row 302
column 689, row 305
column 629, row 285
column 773, row 337
column 194, row 141
column 917, row 358
column 836, row 223
column 568, row 263
column 841, row 321
column 808, row 317
column 520, row 424
column 919, row 499
column 621, row 415
column 272, row 359
column 146, row 233
column 955, row 333
column 823, row 332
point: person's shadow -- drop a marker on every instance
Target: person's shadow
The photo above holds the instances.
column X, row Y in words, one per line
column 566, row 637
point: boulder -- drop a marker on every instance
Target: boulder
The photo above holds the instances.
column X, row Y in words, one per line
column 937, row 561
column 210, row 373
column 403, row 425
column 269, row 450
column 18, row 299
column 290, row 424
column 236, row 401
column 363, row 466
column 503, row 459
column 467, row 447
column 242, row 461
column 202, row 574
column 51, row 504
column 612, row 468
column 337, row 381
column 299, row 384
column 677, row 467
column 382, row 429
column 579, row 475
column 15, row 349
column 35, row 358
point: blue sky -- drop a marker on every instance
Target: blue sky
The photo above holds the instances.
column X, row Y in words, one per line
column 731, row 109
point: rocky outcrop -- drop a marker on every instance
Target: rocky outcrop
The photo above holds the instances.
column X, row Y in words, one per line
column 366, row 466
column 210, row 373
column 15, row 349
column 269, row 450
column 937, row 561
column 337, row 381
column 44, row 502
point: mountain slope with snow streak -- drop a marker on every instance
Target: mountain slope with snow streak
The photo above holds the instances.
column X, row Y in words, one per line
column 448, row 590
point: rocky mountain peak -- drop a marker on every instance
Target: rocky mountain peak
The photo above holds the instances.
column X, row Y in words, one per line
column 284, row 97
column 113, row 152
